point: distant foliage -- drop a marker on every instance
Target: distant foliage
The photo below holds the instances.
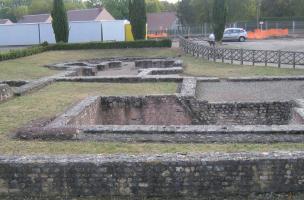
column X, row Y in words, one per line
column 219, row 18
column 60, row 21
column 138, row 18
column 185, row 13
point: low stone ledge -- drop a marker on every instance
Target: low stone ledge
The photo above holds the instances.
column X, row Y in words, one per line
column 40, row 83
column 15, row 83
column 168, row 134
column 265, row 78
column 122, row 79
column 189, row 87
column 5, row 92
column 217, row 176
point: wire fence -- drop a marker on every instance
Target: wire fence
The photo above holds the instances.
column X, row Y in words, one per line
column 294, row 27
column 242, row 56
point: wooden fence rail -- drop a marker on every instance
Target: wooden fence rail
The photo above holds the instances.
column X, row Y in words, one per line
column 266, row 57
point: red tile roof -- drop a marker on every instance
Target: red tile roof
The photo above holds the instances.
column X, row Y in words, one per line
column 94, row 14
column 160, row 21
column 40, row 18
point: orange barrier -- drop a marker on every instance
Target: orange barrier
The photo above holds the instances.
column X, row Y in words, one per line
column 157, row 35
column 263, row 34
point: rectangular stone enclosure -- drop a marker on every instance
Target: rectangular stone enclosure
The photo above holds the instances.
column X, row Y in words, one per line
column 173, row 110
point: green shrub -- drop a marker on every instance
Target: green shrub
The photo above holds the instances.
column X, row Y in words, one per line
column 112, row 45
column 13, row 54
column 18, row 53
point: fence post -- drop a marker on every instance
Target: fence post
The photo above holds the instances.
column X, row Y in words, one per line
column 214, row 56
column 223, row 55
column 294, row 60
column 39, row 33
column 253, row 57
column 208, row 53
column 293, row 26
column 231, row 56
column 242, row 56
column 279, row 59
column 266, row 58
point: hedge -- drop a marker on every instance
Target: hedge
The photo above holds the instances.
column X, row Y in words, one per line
column 112, row 45
column 12, row 54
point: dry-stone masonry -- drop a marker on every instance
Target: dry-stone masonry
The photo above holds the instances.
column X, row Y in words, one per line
column 238, row 176
column 5, row 92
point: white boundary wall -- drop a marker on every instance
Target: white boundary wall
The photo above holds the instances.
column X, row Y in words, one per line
column 89, row 31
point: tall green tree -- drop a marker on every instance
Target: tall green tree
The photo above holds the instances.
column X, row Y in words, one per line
column 219, row 18
column 153, row 6
column 138, row 18
column 60, row 21
column 185, row 13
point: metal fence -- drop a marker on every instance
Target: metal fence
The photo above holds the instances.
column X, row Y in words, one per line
column 199, row 30
column 294, row 27
column 242, row 56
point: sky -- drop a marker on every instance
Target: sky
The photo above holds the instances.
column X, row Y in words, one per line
column 172, row 1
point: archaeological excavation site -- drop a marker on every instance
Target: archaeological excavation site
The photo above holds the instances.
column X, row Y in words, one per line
column 149, row 136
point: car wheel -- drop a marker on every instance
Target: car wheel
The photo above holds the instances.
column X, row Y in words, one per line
column 242, row 39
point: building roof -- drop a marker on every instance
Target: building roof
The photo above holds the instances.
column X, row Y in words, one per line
column 5, row 21
column 40, row 18
column 161, row 21
column 94, row 14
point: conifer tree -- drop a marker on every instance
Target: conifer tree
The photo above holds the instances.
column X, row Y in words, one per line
column 219, row 18
column 138, row 18
column 60, row 21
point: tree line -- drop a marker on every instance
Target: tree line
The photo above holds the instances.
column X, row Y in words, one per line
column 196, row 12
column 15, row 9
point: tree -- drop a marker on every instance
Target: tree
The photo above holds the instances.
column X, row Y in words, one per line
column 138, row 18
column 185, row 13
column 60, row 21
column 219, row 18
column 153, row 6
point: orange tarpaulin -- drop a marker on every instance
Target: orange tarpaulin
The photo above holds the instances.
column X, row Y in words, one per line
column 157, row 35
column 263, row 34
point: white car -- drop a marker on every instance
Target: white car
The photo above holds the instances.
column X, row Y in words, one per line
column 235, row 34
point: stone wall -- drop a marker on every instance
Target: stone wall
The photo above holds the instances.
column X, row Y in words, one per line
column 5, row 92
column 174, row 110
column 267, row 113
column 239, row 176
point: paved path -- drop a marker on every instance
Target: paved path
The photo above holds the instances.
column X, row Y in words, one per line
column 251, row 91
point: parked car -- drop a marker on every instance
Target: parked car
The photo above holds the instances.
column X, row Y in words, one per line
column 235, row 34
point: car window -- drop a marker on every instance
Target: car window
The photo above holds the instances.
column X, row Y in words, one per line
column 228, row 32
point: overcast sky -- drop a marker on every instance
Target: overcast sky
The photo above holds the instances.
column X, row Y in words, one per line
column 172, row 1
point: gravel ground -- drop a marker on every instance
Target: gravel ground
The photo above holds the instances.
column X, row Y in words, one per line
column 251, row 91
column 284, row 44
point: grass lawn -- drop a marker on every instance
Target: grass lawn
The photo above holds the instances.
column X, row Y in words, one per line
column 57, row 97
column 29, row 68
column 199, row 67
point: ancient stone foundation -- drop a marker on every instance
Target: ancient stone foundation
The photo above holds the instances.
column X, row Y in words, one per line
column 240, row 176
column 174, row 110
column 5, row 92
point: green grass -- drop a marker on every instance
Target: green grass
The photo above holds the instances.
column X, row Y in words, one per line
column 31, row 67
column 200, row 67
column 56, row 98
